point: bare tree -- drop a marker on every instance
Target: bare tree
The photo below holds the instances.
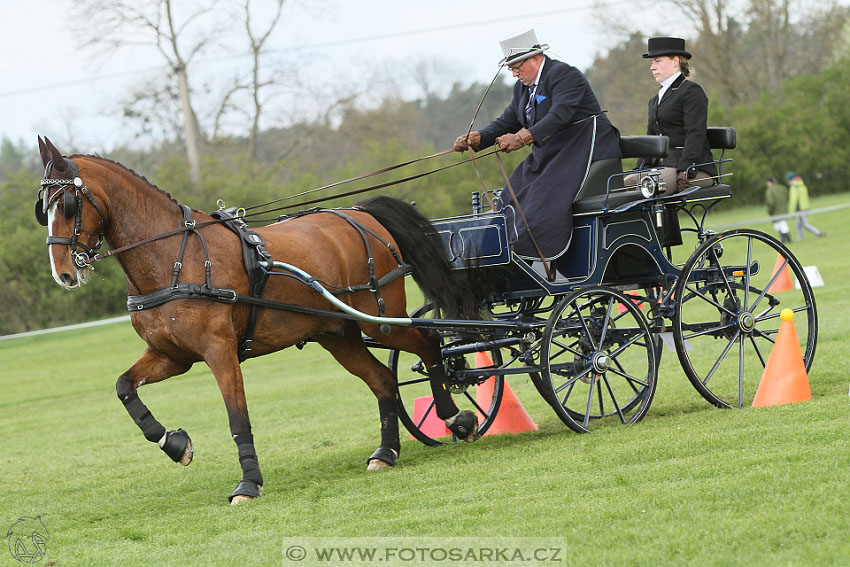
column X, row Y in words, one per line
column 744, row 47
column 257, row 40
column 116, row 24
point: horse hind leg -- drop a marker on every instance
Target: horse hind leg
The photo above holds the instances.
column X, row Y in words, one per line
column 462, row 423
column 350, row 351
column 154, row 367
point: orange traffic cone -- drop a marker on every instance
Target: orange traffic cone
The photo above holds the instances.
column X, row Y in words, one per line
column 784, row 380
column 783, row 282
column 511, row 417
column 633, row 294
column 433, row 426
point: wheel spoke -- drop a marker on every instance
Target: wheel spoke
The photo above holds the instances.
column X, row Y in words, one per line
column 711, row 301
column 628, row 343
column 475, row 403
column 572, row 380
column 613, row 399
column 770, row 283
column 601, row 401
column 413, row 381
column 740, row 370
column 758, row 351
column 721, row 357
column 747, row 271
column 425, row 414
column 589, row 401
column 605, row 322
column 629, row 378
column 567, row 394
column 707, row 331
column 586, row 330
column 766, row 334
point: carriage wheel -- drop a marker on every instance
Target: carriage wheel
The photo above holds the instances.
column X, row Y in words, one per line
column 481, row 395
column 728, row 300
column 598, row 359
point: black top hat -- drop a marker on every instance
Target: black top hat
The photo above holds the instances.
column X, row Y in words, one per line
column 657, row 46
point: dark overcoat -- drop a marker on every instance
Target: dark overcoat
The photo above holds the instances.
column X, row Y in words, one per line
column 562, row 124
column 682, row 116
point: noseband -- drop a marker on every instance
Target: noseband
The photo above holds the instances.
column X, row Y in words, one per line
column 72, row 191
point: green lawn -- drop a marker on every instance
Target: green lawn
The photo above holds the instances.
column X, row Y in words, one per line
column 689, row 485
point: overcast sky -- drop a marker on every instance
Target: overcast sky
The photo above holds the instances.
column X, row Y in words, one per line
column 52, row 85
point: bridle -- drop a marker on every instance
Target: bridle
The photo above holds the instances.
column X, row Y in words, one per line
column 72, row 191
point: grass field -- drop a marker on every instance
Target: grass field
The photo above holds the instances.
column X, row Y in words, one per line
column 689, row 485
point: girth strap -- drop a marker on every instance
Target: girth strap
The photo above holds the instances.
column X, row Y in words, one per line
column 253, row 252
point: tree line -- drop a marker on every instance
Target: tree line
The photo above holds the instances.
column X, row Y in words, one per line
column 790, row 109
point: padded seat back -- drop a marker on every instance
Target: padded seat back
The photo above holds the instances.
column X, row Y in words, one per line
column 596, row 182
column 721, row 137
column 644, row 146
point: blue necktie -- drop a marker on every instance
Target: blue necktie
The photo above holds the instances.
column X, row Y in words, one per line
column 530, row 98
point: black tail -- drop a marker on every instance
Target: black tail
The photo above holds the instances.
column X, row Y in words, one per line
column 420, row 246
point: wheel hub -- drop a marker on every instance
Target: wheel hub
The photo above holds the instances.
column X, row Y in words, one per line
column 600, row 362
column 746, row 322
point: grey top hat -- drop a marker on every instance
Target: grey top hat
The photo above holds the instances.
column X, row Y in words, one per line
column 658, row 46
column 521, row 47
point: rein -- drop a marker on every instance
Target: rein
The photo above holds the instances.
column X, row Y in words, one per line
column 363, row 190
column 93, row 256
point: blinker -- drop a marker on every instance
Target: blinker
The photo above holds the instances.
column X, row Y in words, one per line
column 69, row 204
column 40, row 214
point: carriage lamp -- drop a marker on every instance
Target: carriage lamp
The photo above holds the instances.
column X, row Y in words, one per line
column 650, row 184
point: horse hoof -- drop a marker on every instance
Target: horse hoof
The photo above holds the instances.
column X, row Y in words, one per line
column 178, row 446
column 240, row 498
column 247, row 490
column 464, row 425
column 377, row 465
column 188, row 455
column 382, row 458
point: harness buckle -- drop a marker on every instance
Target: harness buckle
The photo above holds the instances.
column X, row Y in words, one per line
column 189, row 223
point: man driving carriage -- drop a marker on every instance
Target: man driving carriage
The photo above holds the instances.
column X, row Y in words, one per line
column 554, row 110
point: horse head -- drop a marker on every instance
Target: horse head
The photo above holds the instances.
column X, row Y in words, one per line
column 74, row 221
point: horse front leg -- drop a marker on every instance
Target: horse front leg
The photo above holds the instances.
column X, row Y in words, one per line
column 154, row 367
column 225, row 367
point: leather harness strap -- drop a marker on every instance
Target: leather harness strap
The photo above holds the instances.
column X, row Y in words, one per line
column 255, row 256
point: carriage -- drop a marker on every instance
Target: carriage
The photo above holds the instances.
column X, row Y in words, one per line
column 589, row 334
column 591, row 339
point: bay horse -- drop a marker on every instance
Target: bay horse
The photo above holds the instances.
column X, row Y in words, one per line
column 85, row 199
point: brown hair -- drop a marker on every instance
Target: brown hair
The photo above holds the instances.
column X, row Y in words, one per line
column 684, row 66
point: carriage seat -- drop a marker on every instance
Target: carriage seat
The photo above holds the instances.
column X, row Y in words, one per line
column 593, row 198
column 592, row 194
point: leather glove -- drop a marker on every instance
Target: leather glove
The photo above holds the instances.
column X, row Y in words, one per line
column 465, row 142
column 682, row 182
column 511, row 142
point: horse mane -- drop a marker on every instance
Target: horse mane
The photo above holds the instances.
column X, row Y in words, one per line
column 112, row 164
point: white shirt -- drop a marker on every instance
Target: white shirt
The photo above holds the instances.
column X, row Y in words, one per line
column 540, row 71
column 665, row 84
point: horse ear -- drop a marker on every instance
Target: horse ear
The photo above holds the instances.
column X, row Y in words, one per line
column 55, row 155
column 45, row 153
